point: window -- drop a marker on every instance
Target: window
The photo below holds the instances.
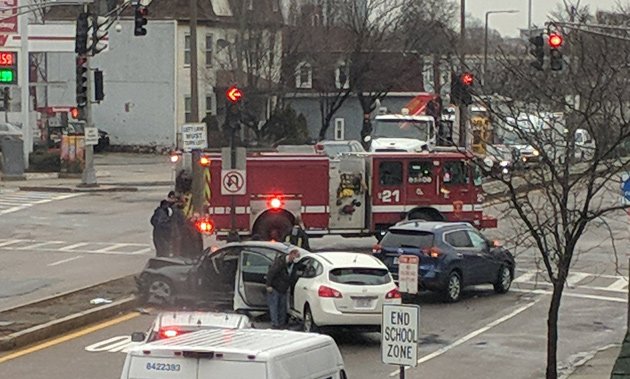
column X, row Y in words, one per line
column 187, row 49
column 187, row 109
column 458, row 239
column 398, row 238
column 304, row 76
column 360, row 276
column 477, row 240
column 208, row 105
column 455, row 173
column 342, row 76
column 420, row 172
column 209, row 46
column 310, row 268
column 255, row 263
column 340, row 124
column 390, row 173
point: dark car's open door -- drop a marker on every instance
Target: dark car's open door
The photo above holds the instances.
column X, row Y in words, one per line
column 252, row 275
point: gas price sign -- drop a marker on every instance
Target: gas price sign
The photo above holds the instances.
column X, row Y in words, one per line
column 8, row 68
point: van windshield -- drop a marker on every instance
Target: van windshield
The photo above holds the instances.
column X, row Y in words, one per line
column 360, row 276
column 414, row 129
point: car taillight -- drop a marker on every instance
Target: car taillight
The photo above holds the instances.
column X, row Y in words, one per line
column 328, row 292
column 432, row 252
column 377, row 249
column 169, row 333
column 393, row 294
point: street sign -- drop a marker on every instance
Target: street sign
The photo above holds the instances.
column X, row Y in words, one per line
column 399, row 336
column 194, row 136
column 625, row 188
column 408, row 273
column 233, row 182
column 91, row 136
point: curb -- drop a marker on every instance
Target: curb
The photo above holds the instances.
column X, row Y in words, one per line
column 65, row 324
column 78, row 189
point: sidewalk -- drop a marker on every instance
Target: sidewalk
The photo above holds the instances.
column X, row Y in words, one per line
column 114, row 172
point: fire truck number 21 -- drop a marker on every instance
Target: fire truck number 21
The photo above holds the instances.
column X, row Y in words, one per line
column 387, row 196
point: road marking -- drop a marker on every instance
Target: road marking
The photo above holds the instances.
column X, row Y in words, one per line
column 576, row 277
column 65, row 261
column 20, row 200
column 525, row 277
column 68, row 337
column 71, row 247
column 620, row 285
column 570, row 294
column 113, row 344
column 10, row 242
column 110, row 248
column 39, row 244
column 471, row 335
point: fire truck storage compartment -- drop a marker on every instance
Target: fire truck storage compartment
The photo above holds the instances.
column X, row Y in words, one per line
column 348, row 191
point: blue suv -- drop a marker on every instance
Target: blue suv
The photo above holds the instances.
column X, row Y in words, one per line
column 452, row 255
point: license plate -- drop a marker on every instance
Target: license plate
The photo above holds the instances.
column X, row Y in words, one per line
column 395, row 260
column 363, row 303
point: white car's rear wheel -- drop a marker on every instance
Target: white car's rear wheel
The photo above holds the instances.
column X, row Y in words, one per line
column 309, row 325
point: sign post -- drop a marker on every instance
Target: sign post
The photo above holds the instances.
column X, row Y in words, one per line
column 408, row 273
column 399, row 337
column 194, row 137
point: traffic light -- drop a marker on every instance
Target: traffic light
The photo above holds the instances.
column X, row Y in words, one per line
column 461, row 88
column 97, row 31
column 140, row 21
column 82, row 90
column 234, row 96
column 555, row 55
column 81, row 43
column 537, row 51
column 99, row 93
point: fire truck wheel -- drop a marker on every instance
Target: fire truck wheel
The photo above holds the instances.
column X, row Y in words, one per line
column 273, row 224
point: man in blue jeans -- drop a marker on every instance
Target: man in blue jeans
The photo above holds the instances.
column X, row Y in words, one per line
column 279, row 281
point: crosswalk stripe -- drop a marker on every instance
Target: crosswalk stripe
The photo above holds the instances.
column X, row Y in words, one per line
column 576, row 277
column 14, row 201
column 112, row 248
column 621, row 284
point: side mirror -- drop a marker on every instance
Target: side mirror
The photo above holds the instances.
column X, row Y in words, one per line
column 138, row 337
column 367, row 138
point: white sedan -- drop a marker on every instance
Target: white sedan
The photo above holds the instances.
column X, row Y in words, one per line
column 342, row 289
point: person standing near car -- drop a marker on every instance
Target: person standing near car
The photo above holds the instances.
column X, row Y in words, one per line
column 162, row 229
column 279, row 281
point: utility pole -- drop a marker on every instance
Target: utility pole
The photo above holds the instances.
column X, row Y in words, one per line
column 197, row 170
column 88, row 178
column 23, row 79
column 462, row 67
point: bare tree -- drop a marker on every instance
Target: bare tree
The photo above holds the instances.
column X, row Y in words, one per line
column 549, row 112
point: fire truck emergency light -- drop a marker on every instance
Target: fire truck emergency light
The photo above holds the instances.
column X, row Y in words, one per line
column 275, row 203
column 174, row 158
column 204, row 225
column 204, row 161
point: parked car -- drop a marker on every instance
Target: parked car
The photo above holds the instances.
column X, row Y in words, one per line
column 176, row 323
column 452, row 256
column 334, row 148
column 213, row 277
column 342, row 289
column 500, row 159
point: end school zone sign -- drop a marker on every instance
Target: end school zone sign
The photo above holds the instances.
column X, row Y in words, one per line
column 399, row 336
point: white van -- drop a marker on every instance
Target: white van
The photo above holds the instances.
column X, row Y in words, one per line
column 237, row 354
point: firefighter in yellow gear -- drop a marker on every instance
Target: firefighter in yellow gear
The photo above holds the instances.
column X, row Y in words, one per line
column 298, row 236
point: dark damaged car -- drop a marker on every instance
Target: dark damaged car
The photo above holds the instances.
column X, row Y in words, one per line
column 212, row 279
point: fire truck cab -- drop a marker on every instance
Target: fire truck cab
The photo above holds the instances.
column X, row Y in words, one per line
column 358, row 194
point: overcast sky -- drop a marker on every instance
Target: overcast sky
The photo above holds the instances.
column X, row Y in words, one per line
column 509, row 24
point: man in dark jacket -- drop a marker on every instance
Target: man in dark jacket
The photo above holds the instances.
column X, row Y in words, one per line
column 162, row 229
column 279, row 281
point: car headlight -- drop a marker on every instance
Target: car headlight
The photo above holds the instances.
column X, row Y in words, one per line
column 536, row 153
column 504, row 163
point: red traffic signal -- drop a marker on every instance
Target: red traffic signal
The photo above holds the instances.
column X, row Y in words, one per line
column 555, row 40
column 234, row 94
column 467, row 79
column 74, row 112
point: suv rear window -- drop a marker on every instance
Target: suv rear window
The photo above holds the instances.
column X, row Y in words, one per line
column 399, row 238
column 360, row 276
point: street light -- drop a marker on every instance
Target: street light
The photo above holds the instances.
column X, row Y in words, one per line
column 485, row 43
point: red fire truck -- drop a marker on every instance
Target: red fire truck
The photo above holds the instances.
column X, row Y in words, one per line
column 354, row 195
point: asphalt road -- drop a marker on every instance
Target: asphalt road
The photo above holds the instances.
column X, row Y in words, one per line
column 68, row 243
column 485, row 335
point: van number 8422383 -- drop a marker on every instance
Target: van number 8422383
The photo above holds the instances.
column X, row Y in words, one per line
column 163, row 367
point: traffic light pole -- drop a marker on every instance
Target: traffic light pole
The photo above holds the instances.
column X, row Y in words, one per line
column 88, row 179
column 463, row 109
